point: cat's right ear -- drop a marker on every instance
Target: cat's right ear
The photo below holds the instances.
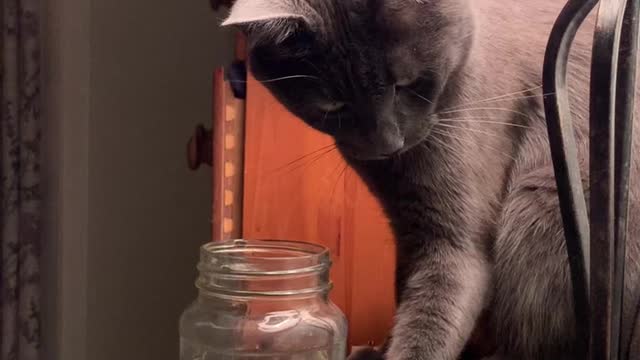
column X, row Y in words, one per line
column 270, row 19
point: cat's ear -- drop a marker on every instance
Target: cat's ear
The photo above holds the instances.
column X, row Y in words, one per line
column 253, row 11
column 270, row 19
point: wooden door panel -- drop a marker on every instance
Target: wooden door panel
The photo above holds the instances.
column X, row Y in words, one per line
column 298, row 187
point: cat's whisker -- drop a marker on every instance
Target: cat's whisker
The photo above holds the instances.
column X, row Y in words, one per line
column 461, row 107
column 314, row 160
column 478, row 131
column 481, row 109
column 305, row 157
column 324, row 119
column 334, row 174
column 519, row 92
column 500, row 152
column 420, row 96
column 509, row 96
column 496, row 100
column 335, row 185
column 487, row 146
column 481, row 120
column 312, row 65
column 334, row 171
column 290, row 77
column 456, row 150
column 444, row 145
column 467, row 36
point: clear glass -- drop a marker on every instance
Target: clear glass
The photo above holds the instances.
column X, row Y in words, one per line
column 263, row 300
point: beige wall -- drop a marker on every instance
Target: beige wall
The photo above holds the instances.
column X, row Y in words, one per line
column 128, row 80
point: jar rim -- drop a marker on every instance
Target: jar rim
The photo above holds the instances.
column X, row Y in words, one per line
column 299, row 249
column 263, row 257
column 294, row 267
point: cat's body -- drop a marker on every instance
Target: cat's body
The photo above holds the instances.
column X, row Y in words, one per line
column 472, row 202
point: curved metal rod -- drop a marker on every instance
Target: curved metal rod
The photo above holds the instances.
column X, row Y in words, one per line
column 565, row 159
column 605, row 334
column 625, row 100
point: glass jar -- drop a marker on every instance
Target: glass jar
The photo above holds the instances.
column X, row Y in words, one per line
column 263, row 300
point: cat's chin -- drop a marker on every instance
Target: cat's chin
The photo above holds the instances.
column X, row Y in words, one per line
column 368, row 158
column 410, row 143
column 352, row 155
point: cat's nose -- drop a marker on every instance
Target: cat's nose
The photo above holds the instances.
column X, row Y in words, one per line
column 389, row 143
column 387, row 138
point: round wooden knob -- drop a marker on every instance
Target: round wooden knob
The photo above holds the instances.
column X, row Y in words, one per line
column 199, row 148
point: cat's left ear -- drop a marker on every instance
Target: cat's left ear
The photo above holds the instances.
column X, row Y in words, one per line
column 273, row 19
column 244, row 12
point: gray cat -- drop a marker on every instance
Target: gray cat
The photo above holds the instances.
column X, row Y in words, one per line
column 437, row 105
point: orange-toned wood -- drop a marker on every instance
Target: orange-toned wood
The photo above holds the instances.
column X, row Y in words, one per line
column 297, row 187
column 372, row 259
column 227, row 160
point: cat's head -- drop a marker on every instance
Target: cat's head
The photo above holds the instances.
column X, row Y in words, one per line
column 367, row 72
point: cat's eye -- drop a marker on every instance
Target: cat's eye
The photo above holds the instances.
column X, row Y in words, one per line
column 331, row 106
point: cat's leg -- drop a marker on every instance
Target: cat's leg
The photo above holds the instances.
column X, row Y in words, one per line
column 440, row 302
column 533, row 301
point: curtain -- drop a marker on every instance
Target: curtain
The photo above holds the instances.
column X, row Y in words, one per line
column 20, row 196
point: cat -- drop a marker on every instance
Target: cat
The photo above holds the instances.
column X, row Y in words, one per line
column 437, row 105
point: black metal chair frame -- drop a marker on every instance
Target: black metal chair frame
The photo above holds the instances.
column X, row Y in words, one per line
column 595, row 239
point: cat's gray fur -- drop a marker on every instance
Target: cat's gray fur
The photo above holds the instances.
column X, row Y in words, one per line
column 473, row 203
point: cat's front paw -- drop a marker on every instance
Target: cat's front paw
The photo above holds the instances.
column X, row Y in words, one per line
column 366, row 354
